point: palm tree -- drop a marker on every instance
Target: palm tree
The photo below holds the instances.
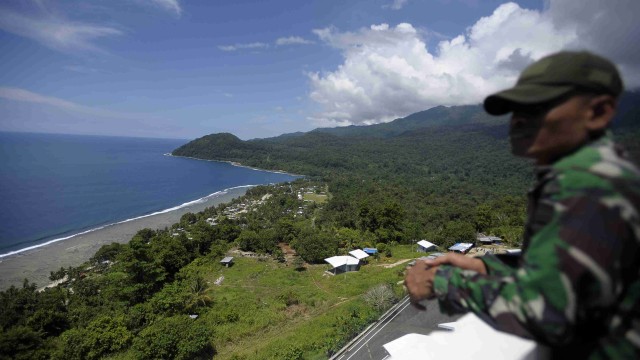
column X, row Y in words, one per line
column 198, row 290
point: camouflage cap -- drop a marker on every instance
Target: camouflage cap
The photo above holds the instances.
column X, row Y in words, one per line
column 556, row 75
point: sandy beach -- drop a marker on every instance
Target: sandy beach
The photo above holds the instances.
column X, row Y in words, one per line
column 36, row 264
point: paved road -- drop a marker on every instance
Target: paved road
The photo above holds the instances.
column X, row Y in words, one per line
column 406, row 320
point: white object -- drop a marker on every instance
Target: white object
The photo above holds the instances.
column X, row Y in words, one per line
column 359, row 254
column 480, row 341
column 337, row 261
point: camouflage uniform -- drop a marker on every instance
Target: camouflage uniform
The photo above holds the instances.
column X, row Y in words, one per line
column 576, row 287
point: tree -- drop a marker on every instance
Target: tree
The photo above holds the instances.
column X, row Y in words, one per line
column 278, row 255
column 106, row 334
column 171, row 253
column 188, row 219
column 172, row 299
column 298, row 263
column 110, row 251
column 20, row 342
column 58, row 275
column 314, row 247
column 483, row 217
column 248, row 240
column 456, row 231
column 349, row 238
column 218, row 249
column 198, row 288
column 17, row 304
column 177, row 337
column 227, row 230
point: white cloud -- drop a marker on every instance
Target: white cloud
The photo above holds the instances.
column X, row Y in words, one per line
column 388, row 71
column 22, row 95
column 283, row 41
column 56, row 32
column 609, row 27
column 169, row 5
column 292, row 40
column 398, row 4
column 235, row 47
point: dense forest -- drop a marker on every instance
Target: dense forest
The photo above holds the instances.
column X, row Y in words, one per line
column 444, row 175
column 448, row 172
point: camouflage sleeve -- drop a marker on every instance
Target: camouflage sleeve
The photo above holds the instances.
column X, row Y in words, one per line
column 571, row 271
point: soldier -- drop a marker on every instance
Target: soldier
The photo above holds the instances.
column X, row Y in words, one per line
column 576, row 287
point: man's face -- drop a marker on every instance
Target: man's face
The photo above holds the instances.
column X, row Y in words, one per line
column 546, row 132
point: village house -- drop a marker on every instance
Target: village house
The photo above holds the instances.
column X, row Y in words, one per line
column 227, row 261
column 343, row 264
column 488, row 240
column 359, row 254
column 425, row 246
column 461, row 248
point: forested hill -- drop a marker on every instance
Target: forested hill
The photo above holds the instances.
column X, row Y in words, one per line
column 438, row 138
column 434, row 117
column 442, row 167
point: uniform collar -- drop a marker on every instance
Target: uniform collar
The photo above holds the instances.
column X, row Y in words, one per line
column 575, row 157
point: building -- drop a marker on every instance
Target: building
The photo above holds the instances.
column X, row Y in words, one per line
column 462, row 248
column 424, row 246
column 488, row 240
column 342, row 264
column 227, row 261
column 359, row 254
column 370, row 251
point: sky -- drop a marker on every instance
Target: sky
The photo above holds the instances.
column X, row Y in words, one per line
column 187, row 68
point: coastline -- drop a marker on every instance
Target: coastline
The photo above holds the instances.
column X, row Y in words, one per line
column 36, row 263
column 237, row 164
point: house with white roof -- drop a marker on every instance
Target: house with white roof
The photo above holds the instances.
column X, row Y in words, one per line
column 462, row 248
column 487, row 240
column 359, row 254
column 227, row 261
column 342, row 264
column 424, row 246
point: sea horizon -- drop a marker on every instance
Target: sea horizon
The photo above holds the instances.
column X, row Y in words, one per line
column 54, row 187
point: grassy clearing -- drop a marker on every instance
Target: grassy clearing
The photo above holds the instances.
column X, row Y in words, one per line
column 317, row 198
column 265, row 310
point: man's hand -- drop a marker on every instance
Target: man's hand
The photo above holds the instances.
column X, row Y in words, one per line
column 419, row 278
column 460, row 261
column 419, row 283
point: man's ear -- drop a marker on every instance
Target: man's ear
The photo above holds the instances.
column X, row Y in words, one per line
column 602, row 109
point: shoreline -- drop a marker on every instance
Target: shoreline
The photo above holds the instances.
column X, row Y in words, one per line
column 36, row 262
column 100, row 227
column 236, row 164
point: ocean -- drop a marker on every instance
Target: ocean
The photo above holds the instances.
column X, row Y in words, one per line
column 55, row 186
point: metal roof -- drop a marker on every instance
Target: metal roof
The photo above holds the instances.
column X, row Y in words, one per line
column 337, row 261
column 425, row 244
column 461, row 247
column 227, row 259
column 489, row 238
column 359, row 254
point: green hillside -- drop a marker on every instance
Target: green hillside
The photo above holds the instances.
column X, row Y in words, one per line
column 444, row 174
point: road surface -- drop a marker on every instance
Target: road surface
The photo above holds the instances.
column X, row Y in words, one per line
column 404, row 319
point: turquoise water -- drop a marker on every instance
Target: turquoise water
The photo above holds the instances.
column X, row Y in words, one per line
column 55, row 186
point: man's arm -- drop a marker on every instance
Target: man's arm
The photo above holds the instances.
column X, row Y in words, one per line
column 571, row 271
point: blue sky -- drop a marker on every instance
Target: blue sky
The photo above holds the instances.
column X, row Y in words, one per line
column 184, row 69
